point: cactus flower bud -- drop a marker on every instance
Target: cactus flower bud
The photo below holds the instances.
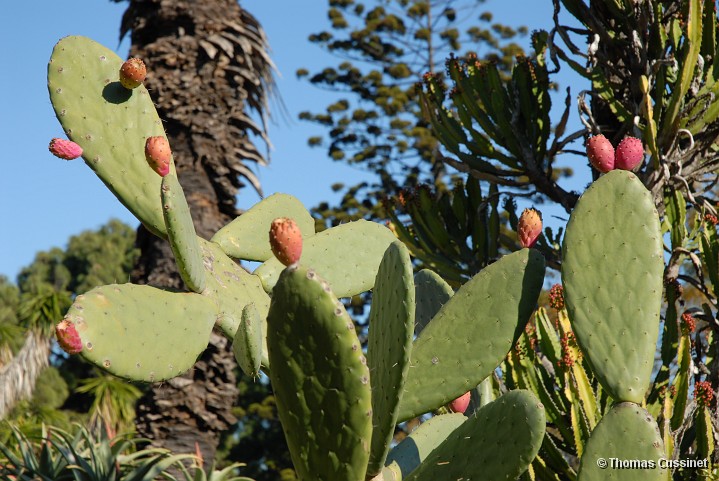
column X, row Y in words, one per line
column 158, row 154
column 460, row 404
column 600, row 153
column 286, row 240
column 630, row 154
column 132, row 73
column 65, row 149
column 67, row 337
column 530, row 227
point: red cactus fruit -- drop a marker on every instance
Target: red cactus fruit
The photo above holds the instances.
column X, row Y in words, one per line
column 67, row 337
column 132, row 73
column 530, row 227
column 629, row 154
column 460, row 404
column 600, row 153
column 65, row 149
column 158, row 154
column 286, row 240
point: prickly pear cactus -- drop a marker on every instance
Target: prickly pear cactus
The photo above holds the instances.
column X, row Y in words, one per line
column 472, row 332
column 431, row 292
column 248, row 342
column 612, row 275
column 320, row 378
column 498, row 442
column 347, row 255
column 246, row 236
column 389, row 346
column 109, row 122
column 181, row 233
column 415, row 448
column 142, row 332
column 626, row 432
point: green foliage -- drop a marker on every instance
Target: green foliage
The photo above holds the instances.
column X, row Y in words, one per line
column 81, row 455
column 51, row 390
column 114, row 400
column 258, row 439
column 383, row 49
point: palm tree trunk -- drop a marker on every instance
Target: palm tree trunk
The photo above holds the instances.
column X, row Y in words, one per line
column 207, row 65
column 18, row 377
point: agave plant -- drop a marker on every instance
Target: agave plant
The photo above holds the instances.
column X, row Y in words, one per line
column 83, row 456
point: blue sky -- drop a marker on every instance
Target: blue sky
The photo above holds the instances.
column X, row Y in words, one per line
column 45, row 200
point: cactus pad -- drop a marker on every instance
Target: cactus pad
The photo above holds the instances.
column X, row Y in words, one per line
column 391, row 328
column 613, row 290
column 415, row 448
column 142, row 333
column 626, row 432
column 181, row 233
column 498, row 442
column 320, row 378
column 232, row 288
column 431, row 292
column 347, row 256
column 472, row 332
column 246, row 237
column 247, row 345
column 109, row 122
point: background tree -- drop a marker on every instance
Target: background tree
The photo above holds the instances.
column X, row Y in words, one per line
column 384, row 48
column 208, row 70
column 33, row 392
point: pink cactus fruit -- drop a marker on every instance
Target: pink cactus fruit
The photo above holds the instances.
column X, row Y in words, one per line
column 286, row 240
column 460, row 404
column 65, row 149
column 158, row 154
column 629, row 154
column 132, row 73
column 530, row 227
column 600, row 153
column 67, row 337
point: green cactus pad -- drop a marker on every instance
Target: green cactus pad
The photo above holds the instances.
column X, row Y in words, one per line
column 348, row 256
column 247, row 345
column 142, row 333
column 320, row 379
column 181, row 233
column 391, row 328
column 431, row 292
column 109, row 122
column 472, row 333
column 626, row 432
column 232, row 288
column 415, row 448
column 612, row 274
column 498, row 442
column 248, row 236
